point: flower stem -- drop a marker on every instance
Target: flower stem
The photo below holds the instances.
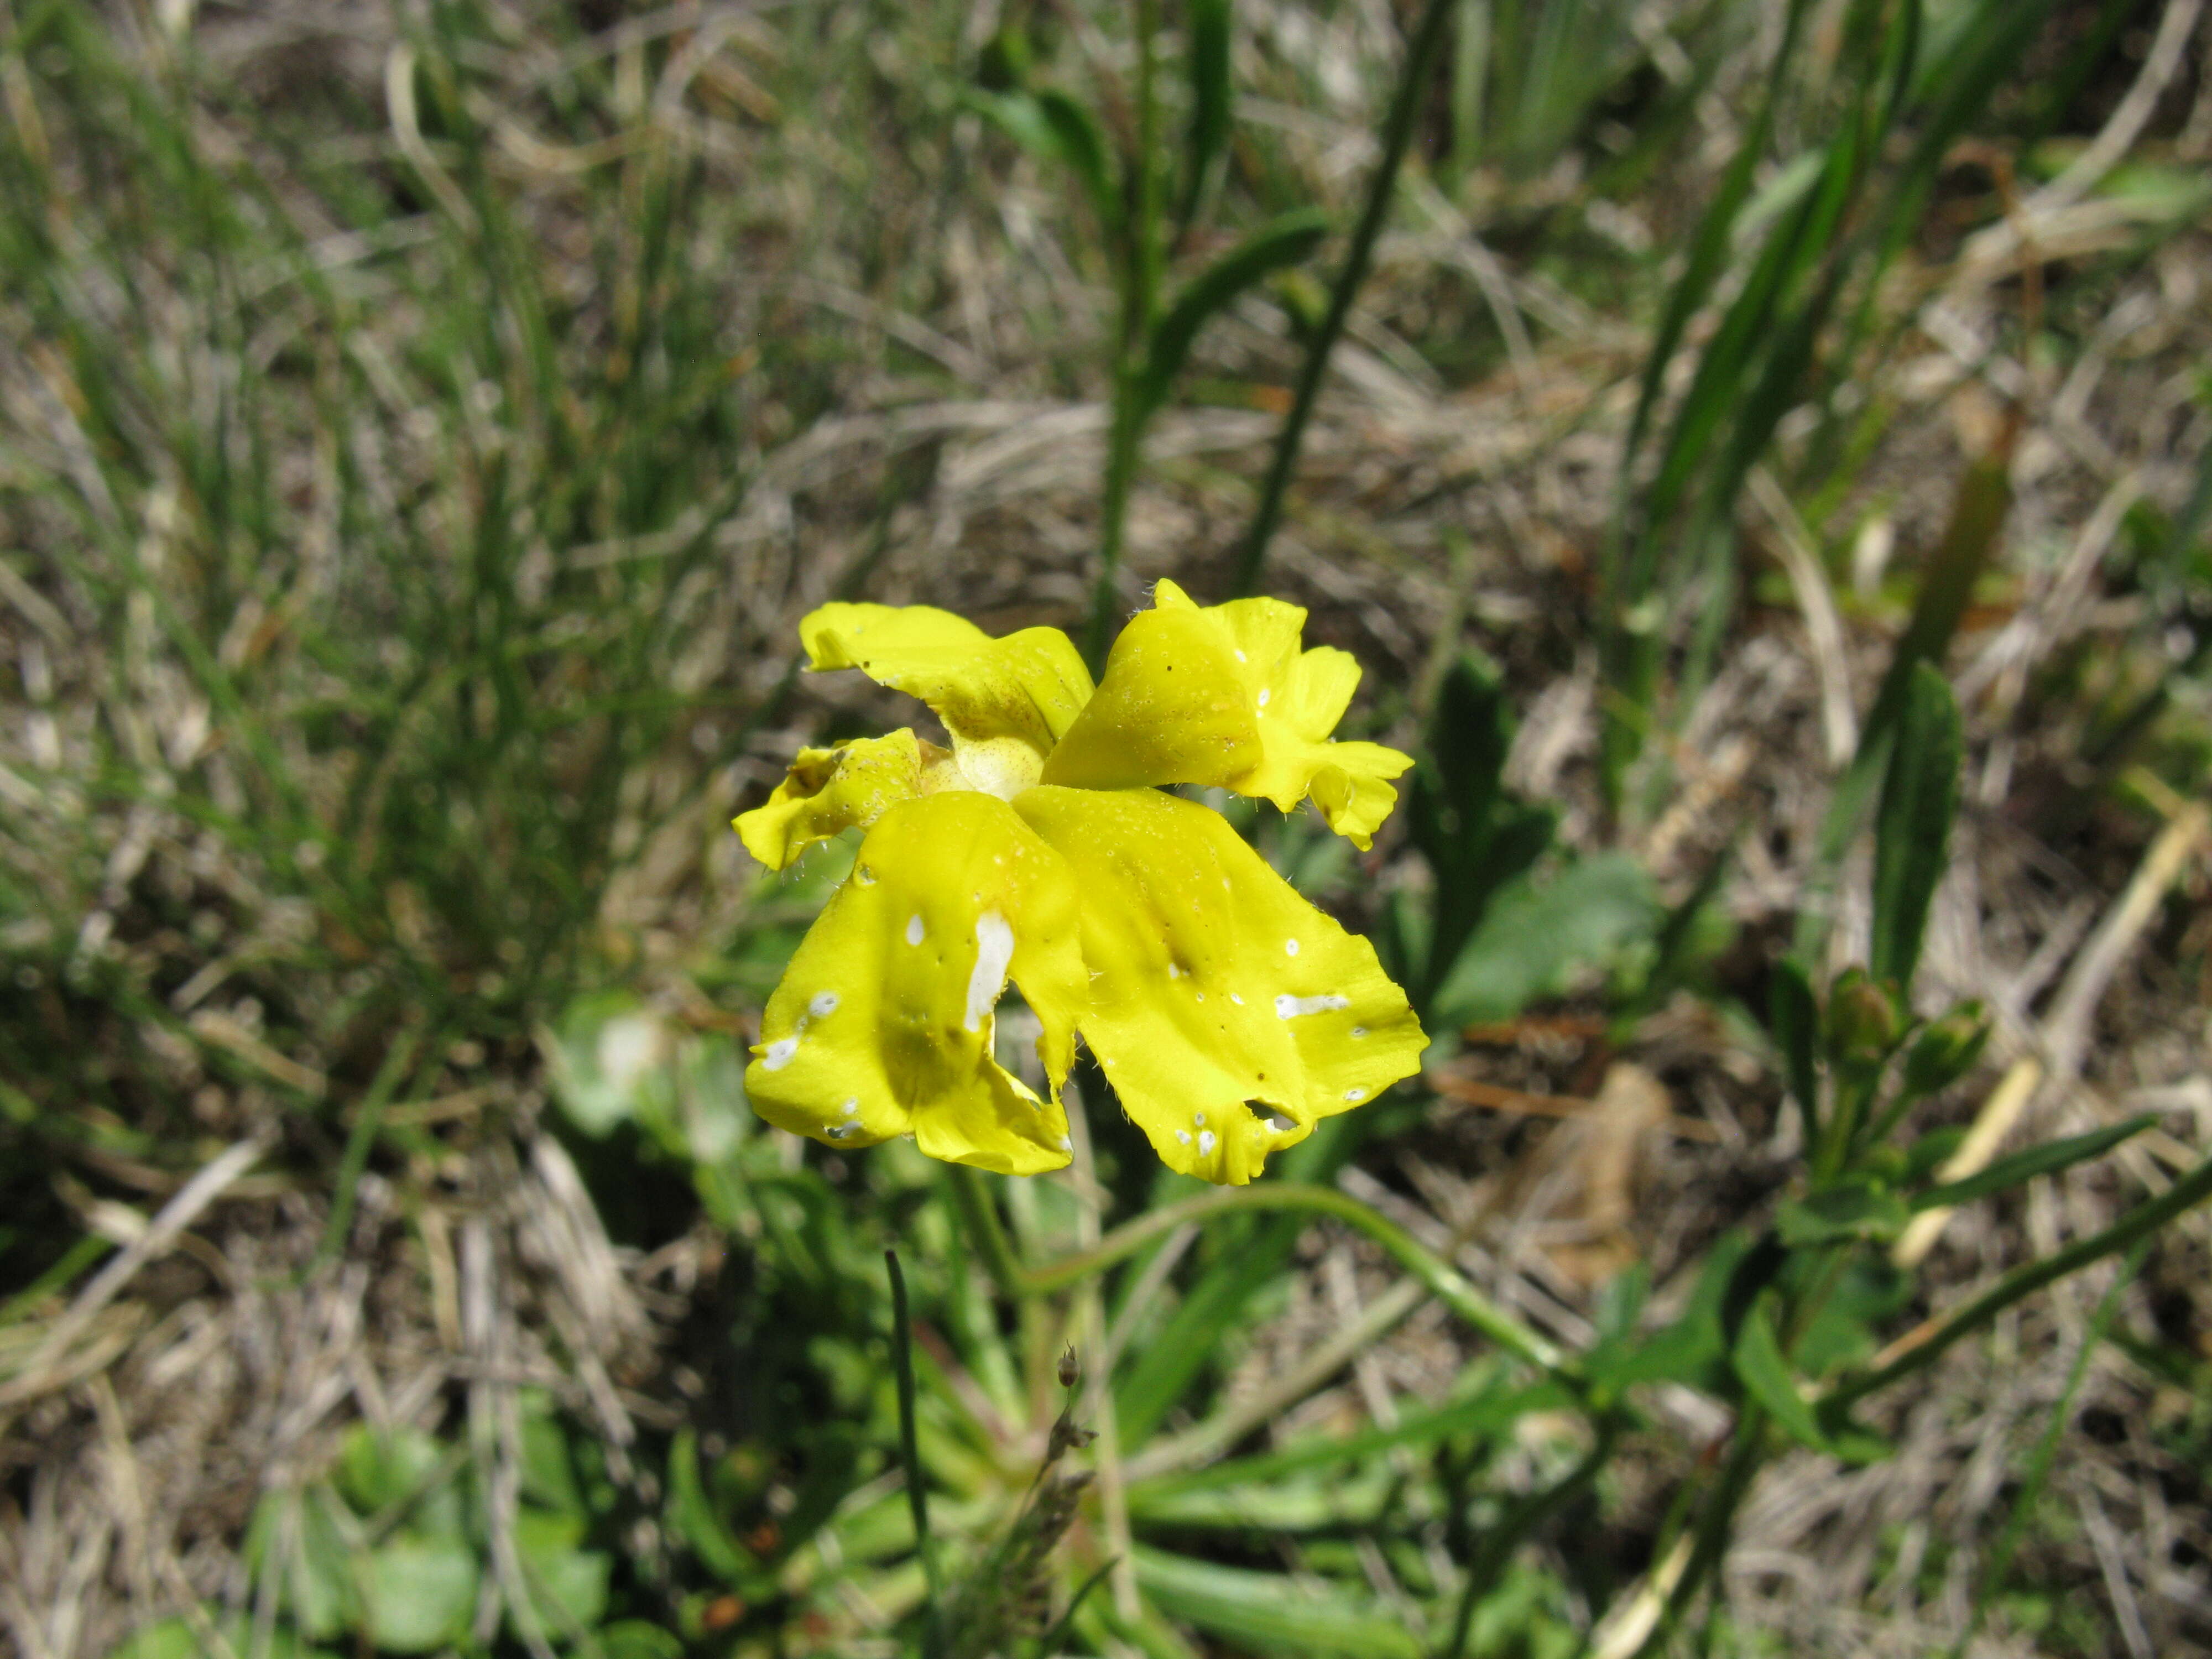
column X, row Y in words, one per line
column 1140, row 275
column 917, row 1495
column 1441, row 1281
column 1398, row 123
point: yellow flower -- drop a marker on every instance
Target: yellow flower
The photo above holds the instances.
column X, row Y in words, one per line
column 1040, row 847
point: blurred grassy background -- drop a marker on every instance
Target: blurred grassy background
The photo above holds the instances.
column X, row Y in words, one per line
column 422, row 427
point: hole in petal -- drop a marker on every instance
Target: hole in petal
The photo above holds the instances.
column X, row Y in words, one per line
column 995, row 950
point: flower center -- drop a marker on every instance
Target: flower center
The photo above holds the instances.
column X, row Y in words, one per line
column 996, row 766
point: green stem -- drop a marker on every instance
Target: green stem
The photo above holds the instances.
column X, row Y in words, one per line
column 2022, row 1282
column 1714, row 1525
column 1441, row 1281
column 979, row 1215
column 1140, row 271
column 917, row 1496
column 1405, row 101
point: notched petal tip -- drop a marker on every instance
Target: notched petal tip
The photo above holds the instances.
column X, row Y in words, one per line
column 1031, row 684
column 1223, row 695
column 828, row 791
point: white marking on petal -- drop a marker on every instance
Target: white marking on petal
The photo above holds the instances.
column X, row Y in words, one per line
column 1238, row 1000
column 1174, row 970
column 1289, row 1008
column 1200, row 995
column 994, row 949
column 1355, row 1094
column 1263, row 697
column 1206, row 1143
column 1198, row 1119
column 914, row 928
column 1290, row 947
column 823, row 1005
column 1240, row 656
column 779, row 1054
column 1183, row 1135
column 865, row 876
column 851, row 1107
column 1359, row 1030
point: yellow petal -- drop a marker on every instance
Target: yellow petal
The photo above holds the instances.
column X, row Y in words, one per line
column 1029, row 685
column 1173, row 707
column 831, row 790
column 1213, row 985
column 882, row 1025
column 1223, row 695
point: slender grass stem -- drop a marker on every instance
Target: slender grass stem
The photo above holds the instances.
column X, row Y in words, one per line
column 1440, row 1280
column 1406, row 100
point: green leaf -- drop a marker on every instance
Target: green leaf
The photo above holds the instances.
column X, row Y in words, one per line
column 1534, row 939
column 1052, row 127
column 421, row 1595
column 633, row 1639
column 2049, row 1158
column 1691, row 1350
column 1281, row 242
column 1852, row 1209
column 376, row 1470
column 1794, row 1013
column 180, row 1638
column 1270, row 1613
column 1765, row 1374
column 568, row 1585
column 608, row 1057
column 692, row 1518
column 1475, row 833
column 1212, row 96
column 1860, row 1299
column 1913, row 827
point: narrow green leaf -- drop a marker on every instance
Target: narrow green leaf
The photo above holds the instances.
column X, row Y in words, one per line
column 1271, row 1614
column 2047, row 1159
column 1852, row 1209
column 1281, row 242
column 1476, row 835
column 1052, row 127
column 1794, row 1014
column 1912, row 827
column 1766, row 1374
column 1211, row 98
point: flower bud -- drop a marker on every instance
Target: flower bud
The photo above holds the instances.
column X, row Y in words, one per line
column 1864, row 1022
column 1069, row 1370
column 1947, row 1050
